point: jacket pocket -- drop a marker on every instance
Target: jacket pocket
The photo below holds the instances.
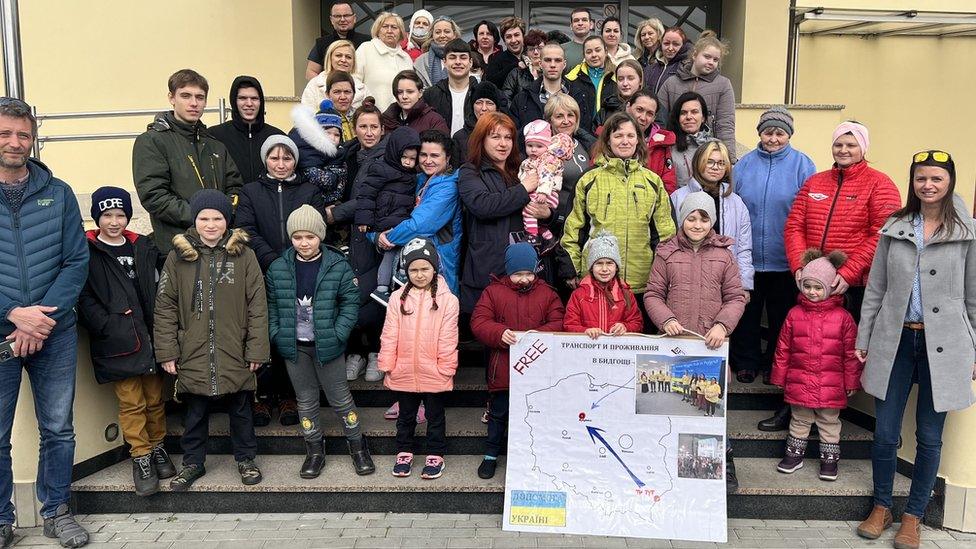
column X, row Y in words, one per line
column 121, row 338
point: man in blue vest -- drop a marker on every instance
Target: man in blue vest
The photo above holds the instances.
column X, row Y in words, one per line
column 43, row 266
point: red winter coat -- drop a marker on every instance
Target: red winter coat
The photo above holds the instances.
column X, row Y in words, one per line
column 502, row 307
column 815, row 361
column 659, row 158
column 587, row 308
column 841, row 210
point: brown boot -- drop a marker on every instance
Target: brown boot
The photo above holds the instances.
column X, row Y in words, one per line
column 909, row 536
column 877, row 522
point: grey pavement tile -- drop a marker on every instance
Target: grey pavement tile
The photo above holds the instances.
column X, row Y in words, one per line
column 274, row 534
column 380, row 543
column 95, row 526
column 343, row 523
column 433, row 543
column 302, row 524
column 394, row 523
column 124, row 527
column 237, row 516
column 643, row 543
column 559, row 541
column 827, row 523
column 331, row 533
column 826, row 544
column 200, row 545
column 241, row 544
column 603, row 541
column 962, row 535
column 320, row 516
column 136, row 536
column 800, row 533
column 746, row 523
column 363, row 516
column 449, row 516
column 757, row 533
column 412, row 516
column 108, row 517
column 363, row 533
column 149, row 517
column 414, row 532
column 214, row 526
column 100, row 536
column 337, row 543
column 25, row 541
column 259, row 525
column 513, row 543
column 168, row 526
column 196, row 535
column 841, row 533
column 684, row 544
column 955, row 544
column 278, row 516
column 144, row 545
column 469, row 543
column 438, row 523
column 193, row 517
column 783, row 524
column 494, row 533
column 228, row 535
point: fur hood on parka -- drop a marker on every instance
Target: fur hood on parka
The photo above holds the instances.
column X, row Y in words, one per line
column 235, row 242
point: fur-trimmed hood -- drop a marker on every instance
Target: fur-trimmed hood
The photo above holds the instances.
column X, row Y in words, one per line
column 188, row 245
column 309, row 129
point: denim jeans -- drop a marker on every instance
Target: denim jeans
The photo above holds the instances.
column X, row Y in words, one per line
column 911, row 366
column 52, row 380
column 497, row 423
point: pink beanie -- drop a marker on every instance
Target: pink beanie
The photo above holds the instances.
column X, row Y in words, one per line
column 538, row 131
column 859, row 132
column 821, row 270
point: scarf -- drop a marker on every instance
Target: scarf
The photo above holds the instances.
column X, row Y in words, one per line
column 435, row 64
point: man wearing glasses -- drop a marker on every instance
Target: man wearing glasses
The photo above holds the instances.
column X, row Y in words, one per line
column 343, row 21
column 43, row 266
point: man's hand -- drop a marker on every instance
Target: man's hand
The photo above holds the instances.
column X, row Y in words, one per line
column 169, row 367
column 838, row 286
column 33, row 320
column 384, row 242
column 538, row 210
column 509, row 338
column 862, row 355
column 25, row 344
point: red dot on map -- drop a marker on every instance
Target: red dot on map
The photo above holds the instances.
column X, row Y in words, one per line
column 582, row 416
column 657, row 498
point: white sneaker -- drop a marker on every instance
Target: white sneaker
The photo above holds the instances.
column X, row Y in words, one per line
column 355, row 366
column 373, row 372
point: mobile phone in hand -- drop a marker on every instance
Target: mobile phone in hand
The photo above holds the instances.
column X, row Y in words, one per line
column 6, row 350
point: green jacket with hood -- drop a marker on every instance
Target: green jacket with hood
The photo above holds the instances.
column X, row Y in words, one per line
column 629, row 201
column 212, row 314
column 170, row 162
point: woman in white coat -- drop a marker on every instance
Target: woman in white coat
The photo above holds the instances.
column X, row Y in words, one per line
column 382, row 58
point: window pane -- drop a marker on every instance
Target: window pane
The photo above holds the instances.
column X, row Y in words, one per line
column 468, row 14
column 692, row 16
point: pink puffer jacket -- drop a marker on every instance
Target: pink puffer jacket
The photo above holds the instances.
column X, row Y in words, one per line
column 697, row 289
column 418, row 352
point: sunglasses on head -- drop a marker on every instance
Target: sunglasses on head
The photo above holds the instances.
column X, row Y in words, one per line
column 938, row 156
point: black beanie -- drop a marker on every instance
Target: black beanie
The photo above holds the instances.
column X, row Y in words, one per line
column 106, row 198
column 420, row 248
column 485, row 90
column 210, row 199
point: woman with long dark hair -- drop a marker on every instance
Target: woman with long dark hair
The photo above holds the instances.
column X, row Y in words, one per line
column 688, row 121
column 410, row 109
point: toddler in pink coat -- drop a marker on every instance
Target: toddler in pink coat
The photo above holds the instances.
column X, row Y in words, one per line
column 545, row 154
column 418, row 354
column 815, row 363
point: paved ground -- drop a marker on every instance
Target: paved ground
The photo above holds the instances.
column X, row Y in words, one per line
column 380, row 530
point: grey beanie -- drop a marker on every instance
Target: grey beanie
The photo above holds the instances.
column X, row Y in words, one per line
column 776, row 117
column 275, row 140
column 696, row 201
column 306, row 218
column 603, row 246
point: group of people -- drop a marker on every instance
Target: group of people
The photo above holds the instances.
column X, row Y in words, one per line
column 690, row 466
column 397, row 217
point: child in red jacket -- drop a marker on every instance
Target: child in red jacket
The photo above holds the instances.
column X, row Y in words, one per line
column 815, row 363
column 513, row 303
column 603, row 303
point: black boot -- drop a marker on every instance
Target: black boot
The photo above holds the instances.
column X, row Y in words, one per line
column 361, row 459
column 314, row 459
column 164, row 465
column 144, row 475
column 779, row 422
column 731, row 482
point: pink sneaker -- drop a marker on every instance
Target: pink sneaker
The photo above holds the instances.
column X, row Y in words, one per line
column 402, row 466
column 433, row 468
column 392, row 412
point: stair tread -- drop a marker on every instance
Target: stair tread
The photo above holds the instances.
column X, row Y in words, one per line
column 461, row 422
column 466, row 379
column 757, row 477
column 742, row 426
column 756, row 387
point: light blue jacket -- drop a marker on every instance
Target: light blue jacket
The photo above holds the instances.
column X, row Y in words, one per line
column 735, row 225
column 437, row 216
column 767, row 184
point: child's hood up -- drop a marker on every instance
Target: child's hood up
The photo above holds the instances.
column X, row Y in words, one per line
column 401, row 139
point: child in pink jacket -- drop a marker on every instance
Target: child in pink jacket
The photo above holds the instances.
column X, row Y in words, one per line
column 418, row 353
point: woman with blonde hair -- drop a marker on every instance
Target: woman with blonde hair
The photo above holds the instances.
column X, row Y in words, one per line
column 340, row 56
column 648, row 39
column 382, row 58
column 430, row 65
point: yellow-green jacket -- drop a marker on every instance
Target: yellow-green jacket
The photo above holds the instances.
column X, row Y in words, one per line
column 627, row 200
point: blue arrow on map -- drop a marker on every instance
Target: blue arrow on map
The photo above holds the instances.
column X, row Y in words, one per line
column 624, row 386
column 595, row 434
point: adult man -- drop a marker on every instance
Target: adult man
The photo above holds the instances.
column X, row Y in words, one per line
column 485, row 98
column 343, row 21
column 513, row 33
column 581, row 24
column 451, row 96
column 176, row 157
column 530, row 102
column 43, row 266
column 246, row 130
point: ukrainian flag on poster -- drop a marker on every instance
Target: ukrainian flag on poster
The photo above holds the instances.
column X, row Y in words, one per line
column 538, row 508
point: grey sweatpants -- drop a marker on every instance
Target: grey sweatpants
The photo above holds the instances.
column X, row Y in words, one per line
column 384, row 273
column 307, row 376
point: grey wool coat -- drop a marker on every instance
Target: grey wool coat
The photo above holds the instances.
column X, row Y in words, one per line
column 948, row 280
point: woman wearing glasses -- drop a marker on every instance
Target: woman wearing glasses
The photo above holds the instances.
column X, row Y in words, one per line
column 924, row 273
column 529, row 69
column 711, row 172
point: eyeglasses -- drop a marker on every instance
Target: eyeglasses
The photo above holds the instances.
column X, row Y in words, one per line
column 535, row 48
column 714, row 163
column 938, row 156
column 343, row 16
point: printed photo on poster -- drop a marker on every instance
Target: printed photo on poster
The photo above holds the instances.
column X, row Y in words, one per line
column 680, row 386
column 700, row 456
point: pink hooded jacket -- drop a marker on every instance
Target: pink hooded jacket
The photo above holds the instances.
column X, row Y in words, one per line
column 418, row 352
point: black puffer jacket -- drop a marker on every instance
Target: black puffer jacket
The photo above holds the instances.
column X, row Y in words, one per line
column 439, row 98
column 243, row 140
column 263, row 211
column 118, row 311
column 387, row 198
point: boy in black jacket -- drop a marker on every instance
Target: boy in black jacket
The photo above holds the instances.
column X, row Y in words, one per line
column 116, row 305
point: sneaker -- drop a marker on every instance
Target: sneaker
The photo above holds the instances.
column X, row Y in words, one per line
column 392, row 412
column 381, row 297
column 250, row 474
column 144, row 476
column 164, row 465
column 355, row 366
column 64, row 527
column 484, row 416
column 6, row 535
column 487, row 468
column 187, row 476
column 399, row 278
column 402, row 466
column 262, row 414
column 421, row 414
column 373, row 372
column 289, row 413
column 433, row 468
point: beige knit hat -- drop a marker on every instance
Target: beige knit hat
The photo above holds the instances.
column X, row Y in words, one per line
column 306, row 218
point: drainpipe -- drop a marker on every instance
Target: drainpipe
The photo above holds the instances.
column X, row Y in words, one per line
column 13, row 66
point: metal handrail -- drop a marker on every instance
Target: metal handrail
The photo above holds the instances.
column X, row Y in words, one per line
column 220, row 109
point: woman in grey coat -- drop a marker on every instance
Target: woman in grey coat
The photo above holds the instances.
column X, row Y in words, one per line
column 917, row 326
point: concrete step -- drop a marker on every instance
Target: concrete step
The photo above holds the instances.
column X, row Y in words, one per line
column 749, row 441
column 754, row 396
column 470, row 390
column 763, row 493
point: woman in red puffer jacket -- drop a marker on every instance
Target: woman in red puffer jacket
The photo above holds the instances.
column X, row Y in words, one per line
column 815, row 363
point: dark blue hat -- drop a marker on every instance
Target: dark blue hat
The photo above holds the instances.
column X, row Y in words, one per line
column 107, row 198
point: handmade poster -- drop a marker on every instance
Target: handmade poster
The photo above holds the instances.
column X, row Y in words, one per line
column 618, row 436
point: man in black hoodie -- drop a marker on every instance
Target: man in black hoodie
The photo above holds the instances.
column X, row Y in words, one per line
column 246, row 131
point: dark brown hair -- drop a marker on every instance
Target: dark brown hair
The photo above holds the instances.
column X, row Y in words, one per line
column 616, row 120
column 368, row 107
column 410, row 286
column 187, row 77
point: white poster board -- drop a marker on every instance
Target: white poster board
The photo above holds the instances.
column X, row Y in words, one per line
column 604, row 439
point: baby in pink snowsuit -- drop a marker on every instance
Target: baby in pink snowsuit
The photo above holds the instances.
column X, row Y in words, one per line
column 546, row 154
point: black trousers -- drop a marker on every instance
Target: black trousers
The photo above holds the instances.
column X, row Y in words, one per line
column 407, row 421
column 274, row 385
column 497, row 423
column 196, row 426
column 775, row 292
